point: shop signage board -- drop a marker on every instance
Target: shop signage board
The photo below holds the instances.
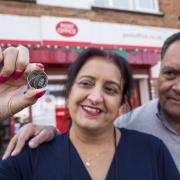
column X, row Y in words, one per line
column 61, row 31
column 66, row 28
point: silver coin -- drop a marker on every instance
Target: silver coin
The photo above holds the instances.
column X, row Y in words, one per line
column 37, row 79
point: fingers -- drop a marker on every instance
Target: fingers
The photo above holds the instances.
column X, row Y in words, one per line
column 18, row 141
column 22, row 58
column 24, row 100
column 10, row 147
column 14, row 61
column 41, row 134
column 47, row 133
column 9, row 58
column 24, row 96
column 34, row 66
column 27, row 132
column 22, row 61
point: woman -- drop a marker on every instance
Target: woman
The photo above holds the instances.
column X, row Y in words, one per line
column 99, row 82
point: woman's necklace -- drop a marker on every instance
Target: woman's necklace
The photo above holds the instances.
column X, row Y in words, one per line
column 89, row 162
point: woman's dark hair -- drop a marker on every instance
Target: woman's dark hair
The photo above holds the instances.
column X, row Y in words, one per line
column 120, row 62
column 170, row 40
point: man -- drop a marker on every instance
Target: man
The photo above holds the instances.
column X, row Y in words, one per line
column 159, row 117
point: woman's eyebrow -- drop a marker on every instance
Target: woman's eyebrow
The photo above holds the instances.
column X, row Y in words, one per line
column 86, row 76
column 114, row 83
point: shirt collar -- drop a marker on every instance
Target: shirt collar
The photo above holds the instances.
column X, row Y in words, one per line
column 163, row 119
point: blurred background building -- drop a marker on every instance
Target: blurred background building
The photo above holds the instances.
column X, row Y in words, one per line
column 56, row 31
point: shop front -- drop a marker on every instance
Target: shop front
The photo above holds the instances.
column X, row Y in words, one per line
column 56, row 42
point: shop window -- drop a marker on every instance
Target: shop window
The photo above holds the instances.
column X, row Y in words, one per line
column 151, row 6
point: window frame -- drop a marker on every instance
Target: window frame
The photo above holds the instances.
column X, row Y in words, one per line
column 133, row 5
column 156, row 6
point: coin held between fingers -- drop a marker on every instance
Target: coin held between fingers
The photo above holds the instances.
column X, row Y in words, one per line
column 37, row 79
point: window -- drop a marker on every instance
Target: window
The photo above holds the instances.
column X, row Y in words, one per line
column 120, row 3
column 151, row 6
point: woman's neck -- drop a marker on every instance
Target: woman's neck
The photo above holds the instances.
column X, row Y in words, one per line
column 94, row 148
column 92, row 137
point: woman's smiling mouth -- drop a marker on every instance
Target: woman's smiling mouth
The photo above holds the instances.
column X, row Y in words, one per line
column 93, row 111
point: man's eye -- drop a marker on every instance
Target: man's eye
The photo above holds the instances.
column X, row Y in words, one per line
column 169, row 74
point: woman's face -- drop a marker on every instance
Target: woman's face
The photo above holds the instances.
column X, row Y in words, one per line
column 95, row 96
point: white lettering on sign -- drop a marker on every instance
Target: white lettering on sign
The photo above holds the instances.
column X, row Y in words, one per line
column 66, row 28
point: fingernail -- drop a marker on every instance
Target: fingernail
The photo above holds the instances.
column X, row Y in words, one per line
column 13, row 153
column 40, row 65
column 32, row 144
column 39, row 94
column 4, row 157
column 17, row 74
column 3, row 78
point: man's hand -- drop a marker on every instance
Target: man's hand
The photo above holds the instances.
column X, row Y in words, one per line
column 38, row 133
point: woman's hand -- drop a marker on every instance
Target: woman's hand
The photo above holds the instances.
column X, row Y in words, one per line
column 38, row 133
column 14, row 69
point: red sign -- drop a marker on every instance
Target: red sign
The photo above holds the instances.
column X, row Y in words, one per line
column 66, row 28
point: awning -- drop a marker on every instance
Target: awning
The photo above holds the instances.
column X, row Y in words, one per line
column 69, row 55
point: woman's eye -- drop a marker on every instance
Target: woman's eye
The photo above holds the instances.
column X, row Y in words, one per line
column 111, row 90
column 86, row 84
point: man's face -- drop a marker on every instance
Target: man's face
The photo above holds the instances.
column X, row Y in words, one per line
column 169, row 83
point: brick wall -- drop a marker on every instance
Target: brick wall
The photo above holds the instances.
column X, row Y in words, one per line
column 169, row 8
